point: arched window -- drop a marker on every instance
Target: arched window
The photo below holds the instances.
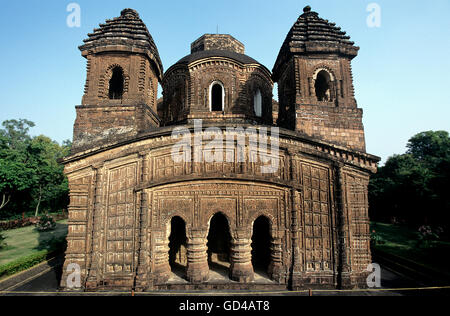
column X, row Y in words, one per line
column 323, row 86
column 116, row 84
column 257, row 103
column 217, row 97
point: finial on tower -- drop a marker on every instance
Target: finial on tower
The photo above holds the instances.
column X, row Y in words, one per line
column 307, row 9
column 129, row 13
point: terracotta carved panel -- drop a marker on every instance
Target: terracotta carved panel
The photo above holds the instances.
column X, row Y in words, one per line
column 121, row 219
column 357, row 201
column 317, row 221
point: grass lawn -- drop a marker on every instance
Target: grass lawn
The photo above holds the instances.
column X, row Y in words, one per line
column 26, row 241
column 403, row 242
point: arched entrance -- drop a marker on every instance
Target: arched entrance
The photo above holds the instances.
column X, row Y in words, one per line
column 261, row 245
column 219, row 244
column 177, row 247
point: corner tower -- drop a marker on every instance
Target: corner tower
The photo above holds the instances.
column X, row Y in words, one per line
column 315, row 83
column 123, row 71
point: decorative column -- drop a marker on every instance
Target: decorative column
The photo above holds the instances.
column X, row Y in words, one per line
column 276, row 262
column 296, row 241
column 344, row 267
column 312, row 89
column 241, row 256
column 197, row 256
column 141, row 283
column 161, row 266
column 96, row 219
column 142, row 279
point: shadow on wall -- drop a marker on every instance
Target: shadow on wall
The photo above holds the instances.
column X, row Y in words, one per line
column 54, row 241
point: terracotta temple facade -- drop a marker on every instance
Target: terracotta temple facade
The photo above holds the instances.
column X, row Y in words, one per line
column 137, row 216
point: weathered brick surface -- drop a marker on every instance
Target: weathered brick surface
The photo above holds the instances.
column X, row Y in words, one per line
column 126, row 188
column 217, row 42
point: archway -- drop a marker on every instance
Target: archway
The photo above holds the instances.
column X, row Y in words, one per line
column 219, row 244
column 261, row 245
column 323, row 86
column 116, row 84
column 177, row 246
column 217, row 97
column 257, row 103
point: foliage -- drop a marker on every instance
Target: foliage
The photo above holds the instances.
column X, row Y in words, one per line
column 31, row 177
column 413, row 187
column 46, row 223
column 23, row 263
column 426, row 235
column 376, row 239
column 29, row 220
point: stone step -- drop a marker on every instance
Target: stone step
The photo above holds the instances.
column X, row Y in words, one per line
column 222, row 286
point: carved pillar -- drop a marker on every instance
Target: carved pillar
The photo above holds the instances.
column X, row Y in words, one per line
column 295, row 229
column 141, row 283
column 96, row 219
column 197, row 256
column 312, row 88
column 344, row 265
column 161, row 266
column 276, row 262
column 143, row 216
column 241, row 256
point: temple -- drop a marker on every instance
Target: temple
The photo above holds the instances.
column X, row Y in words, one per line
column 141, row 220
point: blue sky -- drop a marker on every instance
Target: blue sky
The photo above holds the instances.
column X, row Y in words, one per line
column 402, row 74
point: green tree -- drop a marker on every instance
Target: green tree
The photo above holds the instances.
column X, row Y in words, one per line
column 430, row 147
column 14, row 168
column 30, row 174
column 414, row 186
column 15, row 133
column 47, row 173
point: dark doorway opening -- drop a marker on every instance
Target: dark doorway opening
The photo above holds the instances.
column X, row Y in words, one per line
column 219, row 245
column 177, row 246
column 261, row 245
column 116, row 84
column 217, row 98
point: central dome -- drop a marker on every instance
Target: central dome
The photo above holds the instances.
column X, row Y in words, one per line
column 217, row 82
column 217, row 45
